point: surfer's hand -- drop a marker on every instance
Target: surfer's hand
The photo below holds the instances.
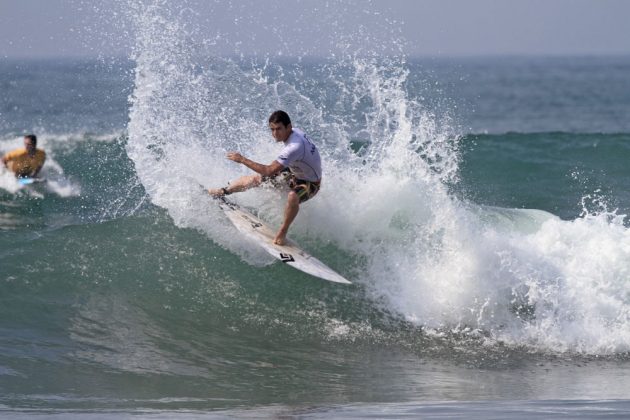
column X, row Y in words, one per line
column 235, row 156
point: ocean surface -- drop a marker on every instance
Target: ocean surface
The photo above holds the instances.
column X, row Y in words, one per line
column 478, row 205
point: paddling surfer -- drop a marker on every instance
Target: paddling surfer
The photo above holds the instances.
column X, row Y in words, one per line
column 298, row 166
column 26, row 161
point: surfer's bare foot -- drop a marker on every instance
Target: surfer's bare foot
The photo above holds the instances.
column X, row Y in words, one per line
column 217, row 192
column 280, row 239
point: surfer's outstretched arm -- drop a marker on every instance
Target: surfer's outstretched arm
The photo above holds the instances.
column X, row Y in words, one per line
column 264, row 170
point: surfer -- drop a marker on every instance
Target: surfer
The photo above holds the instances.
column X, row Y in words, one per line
column 298, row 166
column 26, row 161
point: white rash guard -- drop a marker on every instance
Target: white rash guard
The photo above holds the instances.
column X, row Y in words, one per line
column 301, row 156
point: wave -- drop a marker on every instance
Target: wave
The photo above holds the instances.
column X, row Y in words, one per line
column 417, row 250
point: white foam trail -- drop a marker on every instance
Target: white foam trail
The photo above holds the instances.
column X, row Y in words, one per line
column 518, row 276
column 578, row 281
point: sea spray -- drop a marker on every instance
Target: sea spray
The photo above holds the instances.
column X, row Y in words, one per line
column 442, row 263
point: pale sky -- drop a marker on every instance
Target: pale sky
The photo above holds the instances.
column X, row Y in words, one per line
column 70, row 28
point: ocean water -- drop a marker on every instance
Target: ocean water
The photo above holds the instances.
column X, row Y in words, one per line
column 477, row 204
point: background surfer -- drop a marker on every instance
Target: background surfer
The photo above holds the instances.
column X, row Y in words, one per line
column 298, row 165
column 27, row 161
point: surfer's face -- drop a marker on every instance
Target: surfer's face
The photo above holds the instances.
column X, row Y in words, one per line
column 28, row 145
column 279, row 131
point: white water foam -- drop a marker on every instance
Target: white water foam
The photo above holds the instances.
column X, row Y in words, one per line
column 523, row 277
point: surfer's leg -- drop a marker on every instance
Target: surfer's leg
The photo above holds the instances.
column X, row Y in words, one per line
column 240, row 184
column 290, row 211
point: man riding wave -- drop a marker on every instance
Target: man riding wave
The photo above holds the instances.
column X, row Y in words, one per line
column 298, row 165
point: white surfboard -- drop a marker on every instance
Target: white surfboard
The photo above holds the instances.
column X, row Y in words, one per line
column 290, row 253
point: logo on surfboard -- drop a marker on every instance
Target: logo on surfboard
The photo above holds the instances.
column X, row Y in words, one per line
column 253, row 223
column 286, row 257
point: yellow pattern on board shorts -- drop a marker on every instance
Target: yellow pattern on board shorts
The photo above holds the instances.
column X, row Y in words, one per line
column 305, row 190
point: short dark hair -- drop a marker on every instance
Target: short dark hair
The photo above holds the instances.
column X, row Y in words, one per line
column 32, row 138
column 280, row 117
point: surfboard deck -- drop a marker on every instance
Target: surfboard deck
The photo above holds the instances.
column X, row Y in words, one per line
column 290, row 253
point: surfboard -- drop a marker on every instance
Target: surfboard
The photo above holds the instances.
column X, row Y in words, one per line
column 29, row 181
column 290, row 253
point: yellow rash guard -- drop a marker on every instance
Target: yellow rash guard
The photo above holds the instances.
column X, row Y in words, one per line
column 22, row 164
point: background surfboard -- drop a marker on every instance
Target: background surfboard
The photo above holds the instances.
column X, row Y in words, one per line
column 29, row 181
